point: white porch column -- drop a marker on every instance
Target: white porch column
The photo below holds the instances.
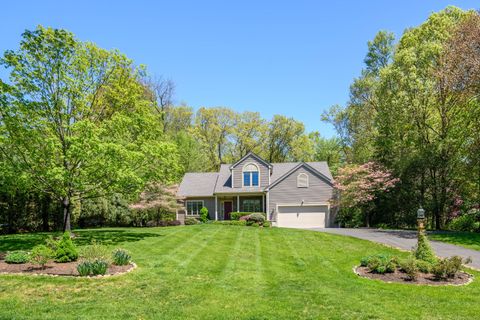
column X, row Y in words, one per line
column 238, row 203
column 216, row 211
column 267, row 206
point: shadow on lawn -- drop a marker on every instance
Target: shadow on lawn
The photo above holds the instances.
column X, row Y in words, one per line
column 83, row 237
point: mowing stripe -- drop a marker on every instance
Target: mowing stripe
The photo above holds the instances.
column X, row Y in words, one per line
column 230, row 266
column 186, row 262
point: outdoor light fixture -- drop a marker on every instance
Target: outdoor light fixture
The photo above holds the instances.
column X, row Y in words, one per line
column 421, row 213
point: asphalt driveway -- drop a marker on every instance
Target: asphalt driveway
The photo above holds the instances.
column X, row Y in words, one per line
column 406, row 240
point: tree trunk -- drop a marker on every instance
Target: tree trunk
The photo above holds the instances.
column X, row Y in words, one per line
column 66, row 214
column 45, row 209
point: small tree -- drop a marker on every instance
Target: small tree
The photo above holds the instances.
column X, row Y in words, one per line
column 204, row 214
column 360, row 185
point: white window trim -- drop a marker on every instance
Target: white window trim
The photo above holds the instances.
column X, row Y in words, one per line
column 303, row 174
column 186, row 207
column 251, row 180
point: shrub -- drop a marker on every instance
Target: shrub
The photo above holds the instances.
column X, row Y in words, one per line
column 40, row 255
column 204, row 214
column 267, row 224
column 424, row 251
column 238, row 215
column 65, row 249
column 410, row 267
column 99, row 267
column 259, row 218
column 244, row 218
column 191, row 221
column 84, row 268
column 95, row 251
column 17, row 257
column 168, row 223
column 448, row 267
column 466, row 222
column 255, row 224
column 231, row 222
column 424, row 266
column 379, row 263
column 121, row 257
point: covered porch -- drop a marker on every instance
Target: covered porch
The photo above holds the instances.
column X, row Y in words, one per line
column 225, row 204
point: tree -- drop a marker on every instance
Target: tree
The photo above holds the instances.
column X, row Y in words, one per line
column 213, row 127
column 329, row 150
column 360, row 185
column 247, row 135
column 75, row 119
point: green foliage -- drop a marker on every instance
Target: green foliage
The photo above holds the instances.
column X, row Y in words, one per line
column 84, row 268
column 424, row 251
column 99, row 267
column 410, row 267
column 258, row 218
column 379, row 263
column 266, row 224
column 448, row 268
column 40, row 255
column 469, row 222
column 95, row 251
column 17, row 257
column 237, row 215
column 255, row 224
column 191, row 221
column 204, row 214
column 65, row 250
column 121, row 257
column 230, row 222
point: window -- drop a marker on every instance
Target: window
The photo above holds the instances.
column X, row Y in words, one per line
column 194, row 207
column 251, row 205
column 302, row 180
column 250, row 175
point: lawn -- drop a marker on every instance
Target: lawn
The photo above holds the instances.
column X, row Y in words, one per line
column 229, row 272
column 465, row 239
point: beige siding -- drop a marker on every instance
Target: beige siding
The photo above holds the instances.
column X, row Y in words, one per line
column 208, row 202
column 287, row 192
column 238, row 176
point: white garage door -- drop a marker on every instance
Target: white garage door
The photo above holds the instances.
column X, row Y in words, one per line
column 302, row 216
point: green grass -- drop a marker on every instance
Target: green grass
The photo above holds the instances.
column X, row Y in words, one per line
column 229, row 272
column 465, row 239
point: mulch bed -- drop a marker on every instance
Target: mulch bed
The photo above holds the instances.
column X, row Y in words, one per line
column 53, row 268
column 422, row 278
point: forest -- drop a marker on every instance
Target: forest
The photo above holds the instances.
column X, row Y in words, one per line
column 89, row 137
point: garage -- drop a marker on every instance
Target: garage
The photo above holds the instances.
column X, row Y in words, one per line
column 301, row 216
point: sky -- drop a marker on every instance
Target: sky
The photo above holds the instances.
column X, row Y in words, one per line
column 295, row 58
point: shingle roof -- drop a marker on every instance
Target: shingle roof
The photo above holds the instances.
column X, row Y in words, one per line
column 206, row 184
column 198, row 184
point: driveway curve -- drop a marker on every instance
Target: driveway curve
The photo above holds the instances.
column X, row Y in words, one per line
column 406, row 240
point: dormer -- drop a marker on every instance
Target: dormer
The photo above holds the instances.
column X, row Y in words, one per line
column 251, row 171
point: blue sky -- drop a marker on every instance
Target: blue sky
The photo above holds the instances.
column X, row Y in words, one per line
column 295, row 58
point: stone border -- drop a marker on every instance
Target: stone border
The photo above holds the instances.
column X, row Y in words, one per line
column 470, row 280
column 133, row 264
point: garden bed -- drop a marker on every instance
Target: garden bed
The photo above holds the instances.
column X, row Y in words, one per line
column 53, row 268
column 398, row 276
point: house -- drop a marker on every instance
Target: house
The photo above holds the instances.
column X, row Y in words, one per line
column 292, row 194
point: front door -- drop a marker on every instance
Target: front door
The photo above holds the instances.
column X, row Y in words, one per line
column 227, row 209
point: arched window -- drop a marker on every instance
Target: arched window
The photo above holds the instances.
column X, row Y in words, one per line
column 302, row 180
column 250, row 175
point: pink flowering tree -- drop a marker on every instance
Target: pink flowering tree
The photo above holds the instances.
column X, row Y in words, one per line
column 360, row 185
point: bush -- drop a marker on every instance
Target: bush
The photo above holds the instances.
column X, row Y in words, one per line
column 267, row 224
column 204, row 214
column 244, row 218
column 121, row 257
column 448, row 267
column 231, row 222
column 95, row 251
column 255, row 224
column 17, row 257
column 191, row 221
column 424, row 266
column 257, row 217
column 410, row 267
column 65, row 249
column 424, row 251
column 468, row 222
column 168, row 223
column 99, row 267
column 379, row 263
column 84, row 268
column 238, row 215
column 40, row 255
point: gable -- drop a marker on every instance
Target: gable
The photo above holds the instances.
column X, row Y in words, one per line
column 250, row 161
